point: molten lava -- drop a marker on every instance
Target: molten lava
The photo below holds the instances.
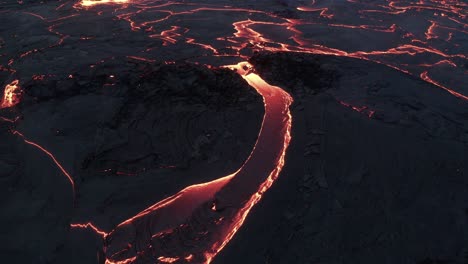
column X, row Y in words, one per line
column 11, row 95
column 195, row 224
column 88, row 3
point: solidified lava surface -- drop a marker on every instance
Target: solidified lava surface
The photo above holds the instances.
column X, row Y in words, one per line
column 267, row 131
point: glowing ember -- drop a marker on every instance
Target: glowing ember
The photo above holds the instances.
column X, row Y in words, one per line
column 168, row 260
column 11, row 95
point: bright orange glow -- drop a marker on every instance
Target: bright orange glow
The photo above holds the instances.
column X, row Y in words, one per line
column 323, row 11
column 88, row 3
column 125, row 261
column 267, row 92
column 203, row 192
column 168, row 260
column 11, row 95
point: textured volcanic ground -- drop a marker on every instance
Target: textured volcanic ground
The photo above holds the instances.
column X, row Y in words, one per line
column 109, row 107
column 129, row 141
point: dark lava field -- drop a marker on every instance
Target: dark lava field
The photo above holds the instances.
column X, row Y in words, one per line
column 234, row 131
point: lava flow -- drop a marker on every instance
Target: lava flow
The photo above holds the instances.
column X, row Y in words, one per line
column 196, row 223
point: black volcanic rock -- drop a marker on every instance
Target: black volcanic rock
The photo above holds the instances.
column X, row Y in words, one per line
column 287, row 13
column 373, row 89
column 297, row 73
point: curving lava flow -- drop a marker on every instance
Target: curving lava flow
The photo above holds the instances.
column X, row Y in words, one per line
column 196, row 223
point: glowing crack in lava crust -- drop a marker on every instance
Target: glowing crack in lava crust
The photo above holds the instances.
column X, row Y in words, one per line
column 446, row 25
column 196, row 223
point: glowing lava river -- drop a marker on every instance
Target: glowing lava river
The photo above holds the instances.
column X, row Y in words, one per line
column 208, row 213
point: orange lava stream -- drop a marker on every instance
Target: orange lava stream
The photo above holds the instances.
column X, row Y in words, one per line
column 198, row 208
column 266, row 91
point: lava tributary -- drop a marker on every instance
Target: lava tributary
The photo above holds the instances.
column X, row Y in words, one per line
column 196, row 223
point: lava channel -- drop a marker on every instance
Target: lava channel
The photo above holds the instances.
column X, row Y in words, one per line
column 195, row 224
